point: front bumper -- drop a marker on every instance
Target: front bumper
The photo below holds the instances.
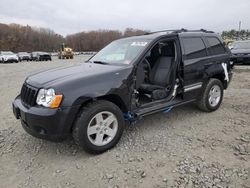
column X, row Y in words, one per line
column 45, row 123
column 25, row 58
column 10, row 60
column 44, row 58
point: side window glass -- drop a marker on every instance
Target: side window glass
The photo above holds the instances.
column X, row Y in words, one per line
column 215, row 46
column 194, row 48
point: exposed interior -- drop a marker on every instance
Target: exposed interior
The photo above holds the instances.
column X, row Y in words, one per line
column 154, row 74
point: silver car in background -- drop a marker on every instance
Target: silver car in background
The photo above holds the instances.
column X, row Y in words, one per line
column 24, row 56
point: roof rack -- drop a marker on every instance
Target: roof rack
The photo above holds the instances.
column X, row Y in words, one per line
column 180, row 31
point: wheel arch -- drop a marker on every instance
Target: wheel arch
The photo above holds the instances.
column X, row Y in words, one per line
column 83, row 101
column 216, row 71
column 116, row 99
column 221, row 77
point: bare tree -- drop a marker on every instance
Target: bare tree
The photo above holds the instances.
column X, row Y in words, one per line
column 17, row 38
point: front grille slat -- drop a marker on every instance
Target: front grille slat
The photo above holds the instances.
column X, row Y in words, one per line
column 24, row 92
column 28, row 95
column 31, row 98
column 25, row 95
column 33, row 101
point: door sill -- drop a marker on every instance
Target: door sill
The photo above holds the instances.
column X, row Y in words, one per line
column 159, row 106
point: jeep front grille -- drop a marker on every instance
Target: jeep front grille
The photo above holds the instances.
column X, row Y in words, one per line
column 28, row 95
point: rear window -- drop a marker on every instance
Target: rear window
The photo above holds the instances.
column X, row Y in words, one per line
column 215, row 46
column 194, row 48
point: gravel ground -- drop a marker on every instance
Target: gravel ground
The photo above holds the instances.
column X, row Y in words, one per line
column 184, row 148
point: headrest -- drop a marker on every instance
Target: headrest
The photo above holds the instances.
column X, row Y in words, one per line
column 155, row 51
column 167, row 51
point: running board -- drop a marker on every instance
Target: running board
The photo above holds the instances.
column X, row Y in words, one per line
column 165, row 107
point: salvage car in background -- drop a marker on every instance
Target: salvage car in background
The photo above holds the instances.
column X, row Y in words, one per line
column 34, row 56
column 240, row 52
column 23, row 56
column 43, row 56
column 8, row 56
column 40, row 56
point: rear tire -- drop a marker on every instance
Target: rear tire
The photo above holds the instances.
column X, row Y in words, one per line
column 99, row 126
column 211, row 97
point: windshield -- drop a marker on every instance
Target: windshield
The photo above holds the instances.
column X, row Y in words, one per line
column 241, row 45
column 7, row 53
column 122, row 51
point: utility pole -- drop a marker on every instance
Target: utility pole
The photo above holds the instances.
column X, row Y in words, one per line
column 239, row 30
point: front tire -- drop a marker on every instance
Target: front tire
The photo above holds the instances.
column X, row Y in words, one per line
column 98, row 127
column 211, row 96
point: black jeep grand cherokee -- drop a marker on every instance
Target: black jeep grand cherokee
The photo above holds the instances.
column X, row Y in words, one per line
column 128, row 79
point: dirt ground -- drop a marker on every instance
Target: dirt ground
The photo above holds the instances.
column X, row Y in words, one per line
column 182, row 148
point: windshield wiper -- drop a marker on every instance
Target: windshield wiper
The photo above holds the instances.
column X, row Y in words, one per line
column 100, row 62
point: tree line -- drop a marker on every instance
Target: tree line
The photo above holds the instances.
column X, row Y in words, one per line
column 236, row 35
column 19, row 38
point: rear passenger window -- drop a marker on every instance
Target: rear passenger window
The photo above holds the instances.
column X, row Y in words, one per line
column 194, row 48
column 215, row 46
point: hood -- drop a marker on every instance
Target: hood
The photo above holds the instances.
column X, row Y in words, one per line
column 240, row 51
column 60, row 75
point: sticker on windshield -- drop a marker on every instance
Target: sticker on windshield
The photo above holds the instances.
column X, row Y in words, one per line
column 139, row 43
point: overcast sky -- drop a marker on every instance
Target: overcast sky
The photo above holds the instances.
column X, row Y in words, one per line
column 71, row 16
